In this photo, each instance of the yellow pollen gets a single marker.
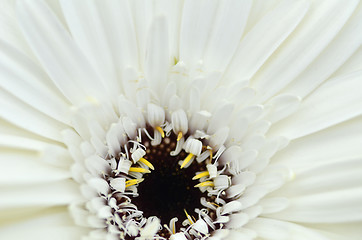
(179, 136)
(161, 131)
(139, 169)
(173, 227)
(147, 163)
(188, 217)
(200, 175)
(187, 160)
(205, 184)
(214, 204)
(133, 182)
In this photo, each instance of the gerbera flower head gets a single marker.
(186, 119)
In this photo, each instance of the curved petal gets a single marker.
(19, 168)
(347, 42)
(56, 193)
(318, 28)
(336, 101)
(337, 143)
(24, 116)
(270, 229)
(54, 225)
(58, 53)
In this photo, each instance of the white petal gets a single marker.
(317, 30)
(100, 185)
(157, 57)
(142, 14)
(53, 224)
(197, 20)
(327, 207)
(282, 106)
(340, 231)
(344, 103)
(237, 220)
(60, 192)
(272, 205)
(262, 40)
(89, 29)
(19, 168)
(344, 45)
(270, 229)
(172, 10)
(24, 116)
(326, 192)
(23, 79)
(17, 142)
(351, 65)
(9, 28)
(231, 18)
(324, 146)
(59, 55)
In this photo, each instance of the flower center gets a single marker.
(159, 179)
(168, 190)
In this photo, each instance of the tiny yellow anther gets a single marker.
(187, 160)
(133, 182)
(200, 175)
(188, 217)
(139, 169)
(179, 136)
(147, 163)
(216, 205)
(173, 227)
(161, 131)
(205, 184)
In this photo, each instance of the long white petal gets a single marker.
(55, 224)
(329, 105)
(197, 20)
(343, 205)
(59, 55)
(55, 193)
(316, 31)
(231, 19)
(157, 57)
(348, 40)
(24, 116)
(337, 143)
(270, 229)
(24, 79)
(264, 38)
(22, 168)
(89, 30)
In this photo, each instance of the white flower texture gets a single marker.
(264, 96)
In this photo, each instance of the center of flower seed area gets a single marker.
(157, 180)
(168, 190)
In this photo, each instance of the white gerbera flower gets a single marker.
(181, 119)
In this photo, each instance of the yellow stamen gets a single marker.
(188, 217)
(211, 155)
(205, 184)
(187, 160)
(161, 131)
(133, 182)
(139, 169)
(174, 227)
(148, 164)
(200, 175)
(214, 204)
(179, 136)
